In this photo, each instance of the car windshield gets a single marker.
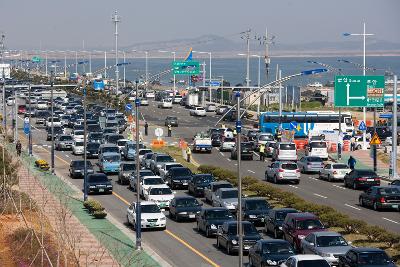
(265, 137)
(98, 178)
(160, 191)
(167, 167)
(142, 152)
(81, 163)
(229, 140)
(121, 142)
(148, 155)
(204, 179)
(144, 173)
(164, 159)
(66, 138)
(57, 130)
(389, 191)
(96, 136)
(229, 194)
(287, 147)
(128, 167)
(112, 158)
(172, 118)
(339, 166)
(281, 215)
(309, 224)
(257, 205)
(289, 166)
(218, 214)
(248, 229)
(114, 138)
(314, 159)
(277, 248)
(373, 258)
(182, 172)
(93, 145)
(366, 173)
(78, 133)
(331, 241)
(187, 202)
(153, 208)
(218, 186)
(318, 145)
(313, 263)
(110, 149)
(246, 146)
(153, 181)
(79, 144)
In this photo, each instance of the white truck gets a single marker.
(202, 142)
(192, 99)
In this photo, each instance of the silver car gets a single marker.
(329, 245)
(280, 171)
(310, 164)
(226, 198)
(63, 142)
(334, 171)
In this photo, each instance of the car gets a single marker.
(147, 181)
(165, 103)
(157, 160)
(160, 194)
(227, 236)
(77, 168)
(63, 142)
(269, 148)
(227, 198)
(285, 151)
(359, 142)
(171, 120)
(381, 197)
(53, 120)
(125, 171)
(77, 147)
(297, 226)
(197, 111)
(395, 182)
(269, 252)
(209, 191)
(109, 162)
(263, 139)
(177, 99)
(184, 207)
(150, 214)
(305, 261)
(178, 177)
(144, 102)
(227, 144)
(334, 171)
(113, 138)
(57, 130)
(209, 219)
(21, 109)
(361, 179)
(310, 164)
(145, 162)
(254, 209)
(274, 220)
(142, 152)
(78, 135)
(282, 171)
(92, 150)
(142, 173)
(165, 167)
(129, 151)
(246, 149)
(95, 137)
(211, 107)
(221, 110)
(216, 139)
(198, 183)
(98, 183)
(317, 149)
(106, 148)
(121, 143)
(362, 256)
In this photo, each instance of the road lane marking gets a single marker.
(318, 195)
(338, 186)
(67, 156)
(390, 220)
(350, 206)
(121, 198)
(313, 178)
(251, 171)
(229, 159)
(294, 186)
(222, 154)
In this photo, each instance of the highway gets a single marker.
(180, 244)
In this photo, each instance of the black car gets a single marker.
(92, 150)
(113, 138)
(252, 134)
(209, 219)
(216, 140)
(95, 137)
(227, 236)
(270, 252)
(380, 197)
(184, 207)
(57, 131)
(361, 179)
(395, 182)
(99, 183)
(171, 120)
(274, 220)
(93, 128)
(254, 209)
(77, 168)
(178, 177)
(198, 183)
(246, 149)
(358, 257)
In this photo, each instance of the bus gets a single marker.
(306, 122)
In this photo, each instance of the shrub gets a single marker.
(93, 205)
(99, 214)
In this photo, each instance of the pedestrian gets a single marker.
(18, 147)
(352, 143)
(351, 162)
(188, 153)
(146, 128)
(262, 152)
(279, 136)
(169, 130)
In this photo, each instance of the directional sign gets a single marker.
(362, 126)
(158, 132)
(293, 125)
(128, 107)
(359, 91)
(375, 140)
(186, 67)
(27, 127)
(36, 59)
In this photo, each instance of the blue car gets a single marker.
(109, 162)
(129, 151)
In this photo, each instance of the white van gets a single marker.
(285, 151)
(317, 149)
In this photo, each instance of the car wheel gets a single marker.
(266, 176)
(250, 262)
(303, 170)
(198, 227)
(275, 180)
(329, 178)
(297, 182)
(127, 219)
(218, 244)
(361, 201)
(355, 186)
(344, 183)
(320, 176)
(375, 206)
(276, 235)
(208, 232)
(358, 147)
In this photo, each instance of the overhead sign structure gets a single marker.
(36, 59)
(362, 126)
(359, 91)
(375, 140)
(186, 67)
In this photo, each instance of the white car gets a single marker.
(77, 147)
(121, 144)
(144, 102)
(78, 135)
(177, 99)
(149, 181)
(198, 111)
(151, 215)
(308, 260)
(42, 105)
(142, 152)
(163, 170)
(211, 108)
(10, 101)
(56, 122)
(227, 144)
(334, 171)
(165, 103)
(150, 94)
(160, 194)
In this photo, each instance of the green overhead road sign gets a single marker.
(36, 59)
(359, 91)
(186, 67)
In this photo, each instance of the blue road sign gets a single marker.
(362, 126)
(27, 127)
(214, 83)
(293, 125)
(128, 107)
(238, 126)
(137, 102)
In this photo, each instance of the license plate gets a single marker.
(152, 224)
(101, 190)
(262, 219)
(370, 180)
(192, 216)
(184, 183)
(395, 206)
(246, 247)
(203, 148)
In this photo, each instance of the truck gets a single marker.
(202, 142)
(192, 99)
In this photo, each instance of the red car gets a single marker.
(21, 109)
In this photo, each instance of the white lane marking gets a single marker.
(256, 154)
(318, 195)
(235, 164)
(313, 178)
(389, 220)
(251, 171)
(222, 154)
(350, 206)
(294, 186)
(229, 159)
(338, 186)
(67, 156)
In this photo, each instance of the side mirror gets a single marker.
(174, 192)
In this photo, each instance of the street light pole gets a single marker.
(85, 189)
(259, 83)
(105, 64)
(116, 19)
(124, 70)
(138, 207)
(147, 75)
(394, 130)
(30, 116)
(52, 121)
(239, 155)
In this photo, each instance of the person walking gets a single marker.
(262, 152)
(18, 147)
(352, 143)
(169, 130)
(351, 162)
(146, 129)
(188, 153)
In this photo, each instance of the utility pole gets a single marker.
(147, 73)
(105, 64)
(30, 118)
(52, 121)
(239, 158)
(138, 207)
(246, 36)
(116, 19)
(85, 189)
(394, 130)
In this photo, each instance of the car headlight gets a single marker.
(92, 186)
(183, 212)
(234, 242)
(213, 226)
(109, 186)
(252, 216)
(301, 236)
(280, 227)
(270, 262)
(162, 219)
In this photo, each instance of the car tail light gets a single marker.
(382, 200)
(361, 179)
(334, 172)
(297, 170)
(280, 170)
(377, 179)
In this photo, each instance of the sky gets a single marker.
(57, 24)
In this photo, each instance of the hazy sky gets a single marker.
(52, 24)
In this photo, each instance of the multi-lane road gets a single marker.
(180, 244)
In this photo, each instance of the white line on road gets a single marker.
(294, 186)
(67, 156)
(338, 186)
(313, 178)
(229, 159)
(350, 206)
(235, 164)
(222, 154)
(251, 171)
(389, 220)
(318, 195)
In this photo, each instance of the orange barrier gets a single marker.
(346, 145)
(333, 147)
(182, 144)
(157, 143)
(300, 143)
